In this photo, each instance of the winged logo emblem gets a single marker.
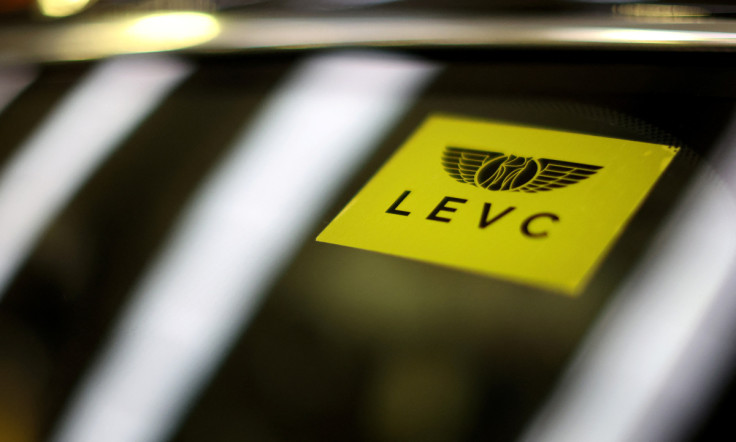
(501, 172)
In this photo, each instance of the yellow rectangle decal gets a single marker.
(536, 206)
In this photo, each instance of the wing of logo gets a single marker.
(498, 171)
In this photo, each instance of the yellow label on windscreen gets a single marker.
(535, 206)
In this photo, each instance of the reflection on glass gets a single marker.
(234, 239)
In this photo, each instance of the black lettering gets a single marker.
(394, 207)
(442, 207)
(485, 222)
(525, 225)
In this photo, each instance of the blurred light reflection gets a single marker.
(81, 132)
(650, 35)
(233, 240)
(169, 31)
(638, 376)
(654, 10)
(62, 8)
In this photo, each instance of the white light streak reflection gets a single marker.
(235, 237)
(76, 137)
(627, 381)
(12, 82)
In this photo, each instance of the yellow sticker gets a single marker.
(536, 206)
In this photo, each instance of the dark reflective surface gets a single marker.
(346, 344)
